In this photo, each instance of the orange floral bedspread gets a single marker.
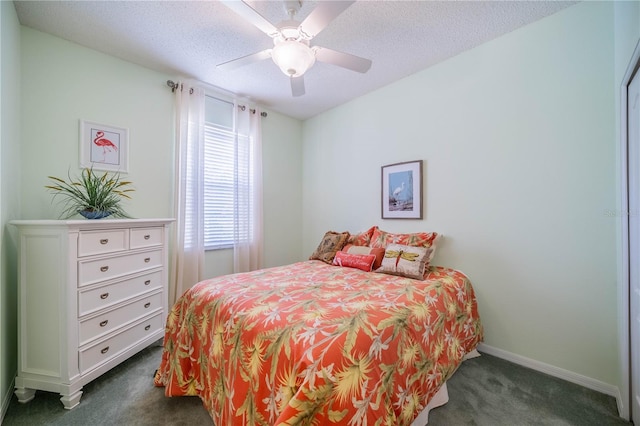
(316, 344)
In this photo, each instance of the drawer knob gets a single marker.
(147, 282)
(104, 268)
(103, 323)
(104, 241)
(147, 328)
(105, 350)
(104, 296)
(147, 259)
(146, 305)
(146, 237)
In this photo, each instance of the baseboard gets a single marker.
(6, 400)
(622, 409)
(551, 370)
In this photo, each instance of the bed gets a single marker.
(316, 343)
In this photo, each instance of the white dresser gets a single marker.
(91, 294)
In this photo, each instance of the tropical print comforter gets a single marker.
(316, 344)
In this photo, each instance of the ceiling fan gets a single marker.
(291, 51)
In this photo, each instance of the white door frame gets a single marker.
(624, 402)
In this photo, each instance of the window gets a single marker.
(227, 176)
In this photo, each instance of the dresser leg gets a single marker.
(24, 394)
(70, 401)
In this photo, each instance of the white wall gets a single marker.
(9, 193)
(518, 140)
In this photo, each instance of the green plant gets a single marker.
(91, 193)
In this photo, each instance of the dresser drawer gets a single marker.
(104, 323)
(93, 271)
(102, 241)
(146, 237)
(100, 353)
(94, 299)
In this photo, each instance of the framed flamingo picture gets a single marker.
(104, 147)
(402, 190)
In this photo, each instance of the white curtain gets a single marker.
(188, 237)
(247, 245)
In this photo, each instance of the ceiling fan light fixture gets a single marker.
(293, 57)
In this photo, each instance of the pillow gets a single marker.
(362, 238)
(428, 240)
(363, 262)
(330, 244)
(405, 261)
(377, 252)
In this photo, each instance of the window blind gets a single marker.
(218, 187)
(227, 186)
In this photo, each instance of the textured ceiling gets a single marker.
(189, 38)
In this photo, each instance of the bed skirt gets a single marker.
(440, 398)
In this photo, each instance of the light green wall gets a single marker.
(282, 192)
(9, 193)
(518, 142)
(62, 83)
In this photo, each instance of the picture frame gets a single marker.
(104, 147)
(401, 191)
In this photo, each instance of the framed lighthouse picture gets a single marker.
(402, 190)
(104, 147)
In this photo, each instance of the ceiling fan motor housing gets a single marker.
(293, 57)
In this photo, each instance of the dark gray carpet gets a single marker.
(484, 391)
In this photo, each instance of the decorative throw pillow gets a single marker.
(428, 240)
(330, 244)
(377, 252)
(362, 238)
(363, 262)
(405, 261)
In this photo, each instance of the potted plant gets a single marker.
(93, 196)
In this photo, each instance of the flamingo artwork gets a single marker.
(106, 144)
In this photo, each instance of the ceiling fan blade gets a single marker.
(253, 16)
(322, 15)
(297, 86)
(245, 60)
(341, 59)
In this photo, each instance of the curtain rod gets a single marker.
(174, 87)
(252, 110)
